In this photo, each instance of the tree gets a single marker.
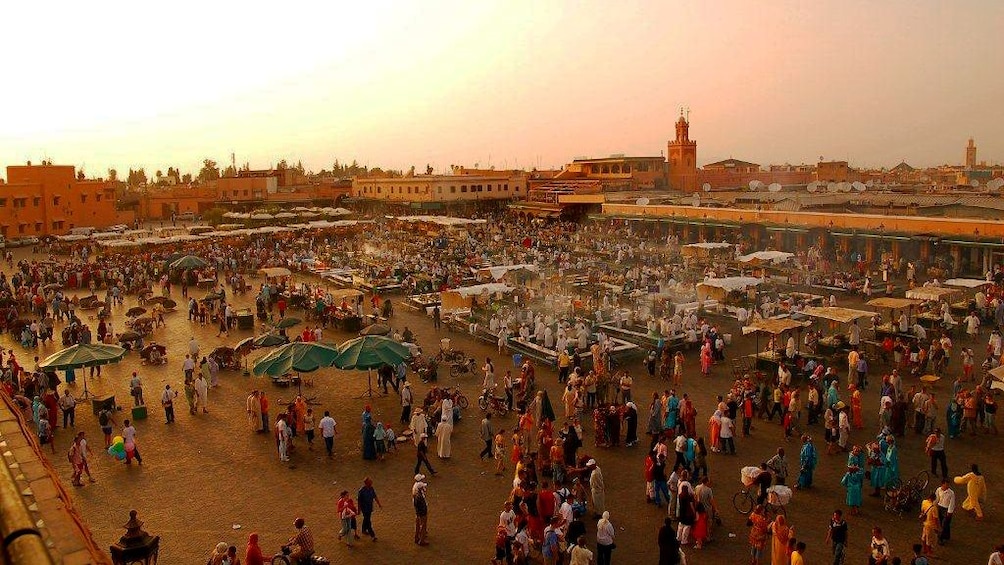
(210, 171)
(80, 174)
(428, 169)
(137, 177)
(186, 178)
(230, 171)
(213, 216)
(282, 166)
(113, 175)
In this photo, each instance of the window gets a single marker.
(463, 188)
(616, 169)
(453, 190)
(409, 190)
(439, 190)
(379, 190)
(3, 202)
(606, 169)
(245, 192)
(36, 201)
(626, 169)
(643, 167)
(55, 201)
(20, 228)
(506, 187)
(38, 226)
(517, 188)
(83, 199)
(489, 188)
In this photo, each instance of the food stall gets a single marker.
(836, 341)
(893, 305)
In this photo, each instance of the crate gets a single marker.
(139, 413)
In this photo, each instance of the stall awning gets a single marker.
(893, 303)
(275, 272)
(967, 283)
(773, 326)
(931, 293)
(837, 314)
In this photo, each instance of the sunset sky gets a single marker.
(508, 84)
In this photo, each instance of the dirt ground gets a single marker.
(207, 478)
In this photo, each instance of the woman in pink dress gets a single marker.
(714, 428)
(706, 358)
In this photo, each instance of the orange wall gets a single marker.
(48, 199)
(870, 222)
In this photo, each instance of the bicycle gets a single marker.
(745, 501)
(901, 497)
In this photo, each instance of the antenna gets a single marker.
(688, 114)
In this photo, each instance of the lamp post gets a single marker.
(136, 546)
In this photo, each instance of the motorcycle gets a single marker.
(489, 402)
(283, 558)
(463, 367)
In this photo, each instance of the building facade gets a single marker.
(439, 191)
(39, 200)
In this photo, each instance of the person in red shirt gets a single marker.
(281, 304)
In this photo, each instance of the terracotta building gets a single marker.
(47, 199)
(618, 172)
(432, 192)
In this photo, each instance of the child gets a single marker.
(787, 426)
(380, 438)
(391, 438)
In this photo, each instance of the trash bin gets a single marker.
(139, 412)
(517, 360)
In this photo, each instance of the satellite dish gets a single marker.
(812, 186)
(774, 187)
(697, 196)
(642, 202)
(754, 185)
(707, 187)
(696, 201)
(845, 187)
(831, 187)
(859, 186)
(974, 183)
(870, 183)
(996, 183)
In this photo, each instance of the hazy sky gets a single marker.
(513, 83)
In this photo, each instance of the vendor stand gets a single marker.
(891, 328)
(773, 356)
(836, 342)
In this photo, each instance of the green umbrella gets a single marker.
(189, 262)
(288, 322)
(300, 357)
(269, 340)
(83, 355)
(370, 352)
(376, 329)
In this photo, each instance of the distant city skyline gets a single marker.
(503, 84)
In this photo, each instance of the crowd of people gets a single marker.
(557, 485)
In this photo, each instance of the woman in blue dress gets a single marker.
(852, 481)
(832, 397)
(807, 460)
(891, 461)
(954, 418)
(672, 411)
(876, 460)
